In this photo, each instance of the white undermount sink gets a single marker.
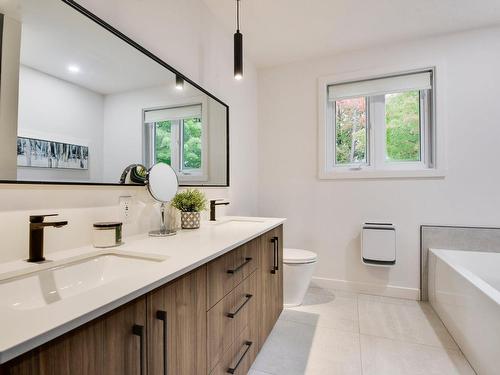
(228, 221)
(50, 282)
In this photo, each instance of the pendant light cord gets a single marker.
(238, 15)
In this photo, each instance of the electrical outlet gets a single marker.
(126, 208)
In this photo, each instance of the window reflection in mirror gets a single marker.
(176, 136)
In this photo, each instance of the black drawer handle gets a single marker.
(162, 315)
(247, 260)
(138, 330)
(233, 314)
(232, 370)
(275, 242)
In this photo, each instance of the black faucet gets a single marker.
(36, 235)
(214, 203)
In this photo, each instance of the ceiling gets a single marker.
(55, 37)
(281, 31)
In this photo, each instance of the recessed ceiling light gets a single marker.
(74, 69)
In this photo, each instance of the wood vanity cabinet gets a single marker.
(177, 326)
(123, 341)
(103, 346)
(167, 326)
(239, 335)
(230, 269)
(211, 321)
(271, 279)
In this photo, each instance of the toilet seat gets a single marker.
(298, 256)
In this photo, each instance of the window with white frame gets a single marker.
(175, 136)
(380, 124)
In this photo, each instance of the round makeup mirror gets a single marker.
(162, 184)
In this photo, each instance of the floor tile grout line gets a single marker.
(376, 298)
(382, 299)
(265, 372)
(332, 292)
(413, 343)
(359, 329)
(340, 319)
(324, 327)
(315, 325)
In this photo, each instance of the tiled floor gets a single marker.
(342, 333)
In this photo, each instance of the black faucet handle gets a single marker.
(39, 218)
(214, 202)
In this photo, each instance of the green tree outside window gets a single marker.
(192, 143)
(163, 137)
(402, 119)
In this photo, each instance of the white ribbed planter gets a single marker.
(190, 220)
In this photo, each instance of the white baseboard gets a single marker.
(367, 288)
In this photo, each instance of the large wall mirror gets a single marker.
(79, 102)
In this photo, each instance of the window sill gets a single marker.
(382, 174)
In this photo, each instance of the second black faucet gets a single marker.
(214, 203)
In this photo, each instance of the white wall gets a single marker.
(11, 42)
(53, 109)
(193, 42)
(325, 216)
(217, 146)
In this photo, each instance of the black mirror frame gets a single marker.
(138, 47)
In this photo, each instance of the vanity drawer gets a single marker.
(239, 357)
(246, 304)
(230, 317)
(227, 271)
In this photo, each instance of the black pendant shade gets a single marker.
(238, 55)
(179, 82)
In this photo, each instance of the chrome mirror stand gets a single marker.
(163, 231)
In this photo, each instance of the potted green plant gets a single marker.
(190, 202)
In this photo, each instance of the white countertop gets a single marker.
(23, 330)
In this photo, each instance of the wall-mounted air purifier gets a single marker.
(378, 244)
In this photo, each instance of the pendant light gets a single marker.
(179, 82)
(238, 46)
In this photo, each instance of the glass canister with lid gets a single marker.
(107, 234)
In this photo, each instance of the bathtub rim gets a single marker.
(457, 236)
(477, 281)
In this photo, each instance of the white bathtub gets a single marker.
(464, 290)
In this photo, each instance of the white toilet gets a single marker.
(298, 268)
